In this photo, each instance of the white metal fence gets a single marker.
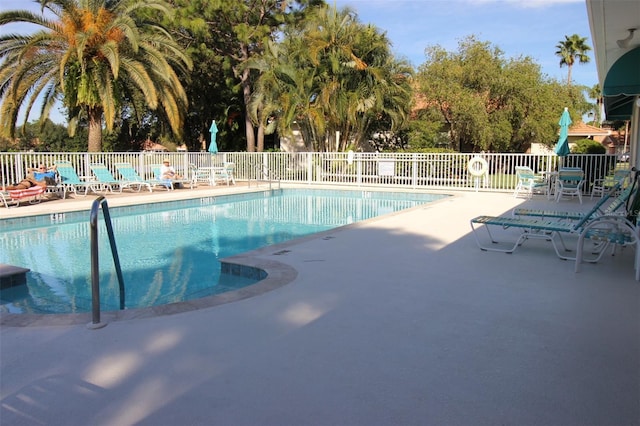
(402, 170)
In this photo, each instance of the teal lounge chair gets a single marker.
(605, 231)
(541, 228)
(104, 179)
(131, 177)
(611, 209)
(69, 178)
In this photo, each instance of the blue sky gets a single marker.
(518, 27)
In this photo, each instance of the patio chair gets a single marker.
(601, 186)
(230, 170)
(540, 228)
(569, 183)
(223, 174)
(199, 174)
(530, 183)
(104, 178)
(215, 174)
(69, 178)
(131, 177)
(15, 196)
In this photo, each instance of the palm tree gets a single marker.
(596, 93)
(332, 76)
(570, 49)
(93, 55)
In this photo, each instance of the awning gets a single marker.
(621, 85)
(618, 107)
(624, 76)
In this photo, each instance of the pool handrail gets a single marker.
(101, 201)
(266, 173)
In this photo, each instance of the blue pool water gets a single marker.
(170, 251)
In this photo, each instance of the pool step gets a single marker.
(11, 276)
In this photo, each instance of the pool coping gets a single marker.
(278, 274)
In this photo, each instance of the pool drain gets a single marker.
(278, 253)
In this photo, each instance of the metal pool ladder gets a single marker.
(266, 173)
(95, 268)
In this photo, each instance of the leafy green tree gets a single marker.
(571, 49)
(224, 35)
(47, 137)
(588, 146)
(94, 54)
(424, 131)
(51, 137)
(486, 102)
(212, 88)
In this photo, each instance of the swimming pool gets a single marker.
(170, 251)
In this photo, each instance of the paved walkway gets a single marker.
(400, 320)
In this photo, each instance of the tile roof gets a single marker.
(582, 129)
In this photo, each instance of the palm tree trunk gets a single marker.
(95, 129)
(260, 142)
(246, 94)
(251, 137)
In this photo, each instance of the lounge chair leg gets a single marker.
(482, 247)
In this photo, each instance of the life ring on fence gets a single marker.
(477, 166)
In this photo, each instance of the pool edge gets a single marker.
(278, 274)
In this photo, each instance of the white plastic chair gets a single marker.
(230, 169)
(529, 182)
(569, 183)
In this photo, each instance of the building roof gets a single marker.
(149, 145)
(582, 129)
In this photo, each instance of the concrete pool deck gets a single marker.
(399, 320)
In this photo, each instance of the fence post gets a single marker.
(414, 170)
